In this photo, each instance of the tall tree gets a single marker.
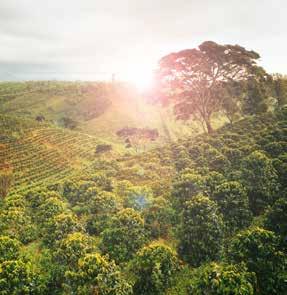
(195, 80)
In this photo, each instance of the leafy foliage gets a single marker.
(17, 277)
(124, 236)
(97, 275)
(276, 219)
(197, 79)
(9, 249)
(154, 267)
(259, 249)
(232, 200)
(159, 217)
(186, 185)
(59, 227)
(216, 279)
(201, 231)
(260, 179)
(71, 214)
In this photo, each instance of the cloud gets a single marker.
(107, 36)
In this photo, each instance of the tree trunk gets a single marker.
(208, 126)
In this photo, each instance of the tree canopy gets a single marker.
(196, 80)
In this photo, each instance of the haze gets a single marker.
(91, 40)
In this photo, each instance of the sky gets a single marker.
(92, 39)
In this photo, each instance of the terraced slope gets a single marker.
(39, 153)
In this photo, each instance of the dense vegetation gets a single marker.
(205, 214)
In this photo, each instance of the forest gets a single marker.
(104, 191)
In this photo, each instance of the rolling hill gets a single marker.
(99, 108)
(39, 152)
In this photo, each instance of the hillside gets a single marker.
(39, 153)
(99, 108)
(164, 218)
(143, 148)
(69, 208)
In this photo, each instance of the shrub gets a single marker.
(59, 227)
(124, 236)
(103, 148)
(217, 279)
(276, 219)
(9, 248)
(232, 200)
(260, 179)
(17, 277)
(102, 207)
(259, 249)
(72, 248)
(159, 217)
(186, 185)
(96, 275)
(201, 231)
(154, 268)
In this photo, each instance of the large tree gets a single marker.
(196, 80)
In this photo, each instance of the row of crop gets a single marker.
(44, 181)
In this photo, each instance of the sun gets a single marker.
(141, 77)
